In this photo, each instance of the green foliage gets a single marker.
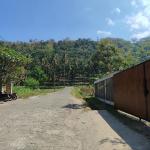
(32, 83)
(38, 73)
(69, 59)
(12, 56)
(83, 91)
(11, 63)
(24, 92)
(107, 58)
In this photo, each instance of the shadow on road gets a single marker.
(4, 101)
(129, 136)
(131, 130)
(115, 141)
(75, 106)
(127, 120)
(128, 128)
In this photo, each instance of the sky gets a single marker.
(22, 20)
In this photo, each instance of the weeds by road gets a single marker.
(25, 92)
(83, 91)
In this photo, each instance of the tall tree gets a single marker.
(11, 64)
(107, 58)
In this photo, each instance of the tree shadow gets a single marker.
(126, 132)
(115, 141)
(75, 106)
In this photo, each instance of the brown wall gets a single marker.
(128, 91)
(147, 68)
(109, 91)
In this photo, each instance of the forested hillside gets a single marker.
(50, 62)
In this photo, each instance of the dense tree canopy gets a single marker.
(11, 64)
(68, 60)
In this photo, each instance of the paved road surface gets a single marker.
(57, 122)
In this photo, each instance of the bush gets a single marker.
(83, 91)
(32, 83)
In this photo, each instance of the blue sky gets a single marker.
(59, 19)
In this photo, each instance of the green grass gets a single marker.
(25, 92)
(83, 91)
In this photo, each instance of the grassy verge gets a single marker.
(95, 104)
(87, 94)
(83, 91)
(25, 92)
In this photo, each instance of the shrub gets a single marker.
(32, 83)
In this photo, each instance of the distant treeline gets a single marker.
(47, 62)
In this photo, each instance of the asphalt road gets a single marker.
(58, 121)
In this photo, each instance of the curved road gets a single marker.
(58, 121)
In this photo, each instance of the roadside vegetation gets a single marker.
(83, 91)
(86, 93)
(67, 62)
(25, 92)
(32, 87)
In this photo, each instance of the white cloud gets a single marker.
(141, 35)
(139, 22)
(134, 3)
(144, 2)
(117, 10)
(104, 33)
(140, 2)
(110, 22)
(147, 10)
